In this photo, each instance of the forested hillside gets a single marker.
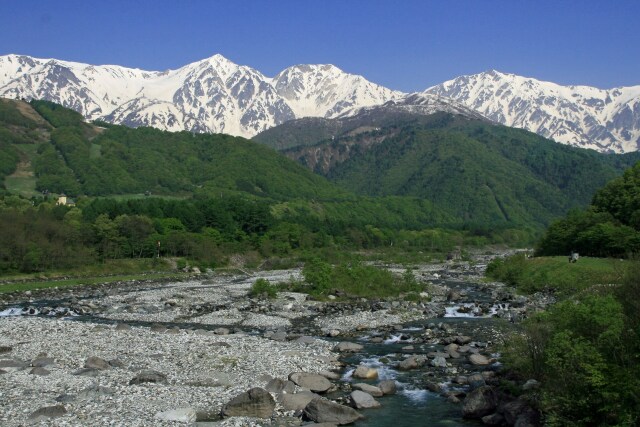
(472, 170)
(78, 158)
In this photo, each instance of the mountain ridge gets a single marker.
(215, 95)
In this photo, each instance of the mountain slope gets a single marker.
(468, 168)
(587, 117)
(78, 158)
(213, 95)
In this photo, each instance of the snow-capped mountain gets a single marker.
(212, 95)
(216, 95)
(583, 116)
(416, 103)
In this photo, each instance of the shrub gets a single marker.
(263, 288)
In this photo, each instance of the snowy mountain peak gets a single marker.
(604, 120)
(211, 95)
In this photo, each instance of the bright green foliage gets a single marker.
(609, 227)
(56, 114)
(318, 274)
(263, 288)
(556, 274)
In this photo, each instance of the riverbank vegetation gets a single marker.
(585, 349)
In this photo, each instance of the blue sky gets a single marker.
(405, 45)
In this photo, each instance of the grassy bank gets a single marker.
(111, 271)
(556, 274)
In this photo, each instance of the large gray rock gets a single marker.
(439, 362)
(368, 388)
(95, 362)
(475, 381)
(39, 371)
(46, 413)
(314, 382)
(5, 349)
(413, 362)
(348, 347)
(362, 400)
(149, 376)
(297, 401)
(277, 386)
(479, 360)
(388, 386)
(365, 373)
(41, 362)
(479, 402)
(325, 411)
(256, 402)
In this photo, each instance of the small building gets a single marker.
(65, 201)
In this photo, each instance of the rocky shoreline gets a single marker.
(149, 353)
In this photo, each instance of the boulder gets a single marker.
(362, 400)
(475, 381)
(439, 362)
(513, 410)
(479, 402)
(221, 331)
(46, 413)
(365, 373)
(348, 347)
(479, 360)
(99, 363)
(368, 388)
(388, 386)
(149, 376)
(314, 382)
(531, 385)
(256, 402)
(41, 362)
(278, 386)
(5, 349)
(330, 375)
(39, 371)
(326, 411)
(413, 362)
(181, 415)
(123, 327)
(297, 401)
(493, 420)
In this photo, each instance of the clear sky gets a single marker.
(404, 44)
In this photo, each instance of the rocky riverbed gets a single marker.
(183, 353)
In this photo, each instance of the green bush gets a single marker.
(263, 288)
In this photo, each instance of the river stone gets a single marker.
(388, 386)
(362, 400)
(531, 385)
(41, 362)
(348, 347)
(413, 362)
(15, 364)
(158, 328)
(297, 401)
(257, 402)
(277, 386)
(493, 420)
(479, 360)
(368, 388)
(86, 372)
(95, 391)
(365, 373)
(314, 382)
(475, 381)
(479, 402)
(2, 371)
(39, 371)
(439, 362)
(148, 376)
(326, 411)
(5, 349)
(330, 375)
(95, 362)
(123, 327)
(462, 339)
(513, 410)
(46, 412)
(182, 415)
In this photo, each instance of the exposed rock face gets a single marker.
(480, 402)
(326, 411)
(256, 402)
